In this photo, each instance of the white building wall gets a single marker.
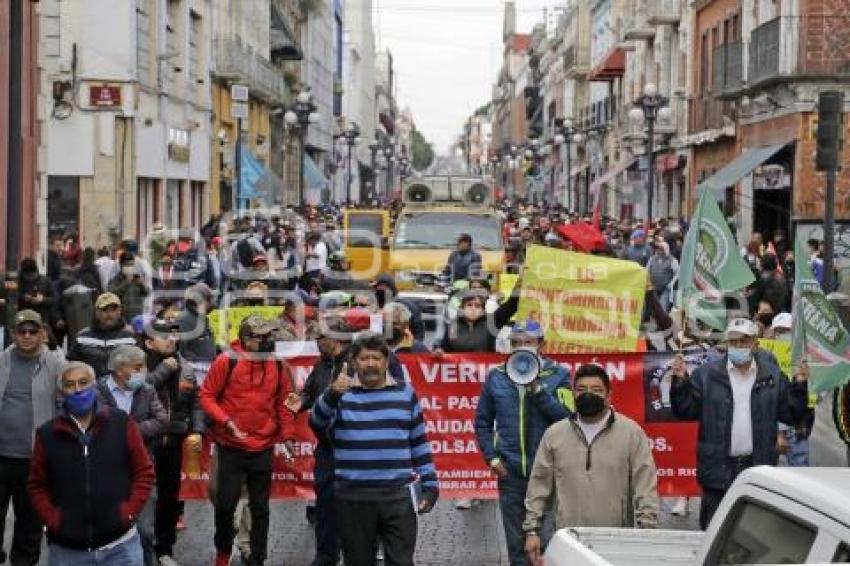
(319, 73)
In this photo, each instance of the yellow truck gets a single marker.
(437, 211)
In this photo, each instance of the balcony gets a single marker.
(728, 70)
(636, 27)
(575, 61)
(238, 62)
(707, 113)
(807, 48)
(664, 13)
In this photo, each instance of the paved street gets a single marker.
(446, 536)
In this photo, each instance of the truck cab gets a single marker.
(436, 212)
(770, 515)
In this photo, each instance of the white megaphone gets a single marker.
(523, 366)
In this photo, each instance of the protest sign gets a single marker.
(449, 390)
(585, 303)
(224, 323)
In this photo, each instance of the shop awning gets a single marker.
(313, 177)
(610, 175)
(739, 167)
(612, 66)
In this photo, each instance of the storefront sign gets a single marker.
(103, 96)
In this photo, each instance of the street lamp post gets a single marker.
(566, 136)
(374, 147)
(650, 107)
(352, 138)
(388, 150)
(301, 115)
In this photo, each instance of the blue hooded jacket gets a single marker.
(509, 426)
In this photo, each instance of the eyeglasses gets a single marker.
(28, 331)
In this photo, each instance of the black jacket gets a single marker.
(146, 409)
(480, 336)
(94, 345)
(178, 391)
(324, 372)
(196, 338)
(707, 397)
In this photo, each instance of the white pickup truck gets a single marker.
(769, 516)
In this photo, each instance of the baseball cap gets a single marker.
(782, 320)
(638, 234)
(28, 316)
(257, 325)
(530, 327)
(106, 300)
(160, 326)
(739, 327)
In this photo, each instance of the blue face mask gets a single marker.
(80, 403)
(136, 381)
(740, 356)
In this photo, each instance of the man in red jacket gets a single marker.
(245, 394)
(90, 477)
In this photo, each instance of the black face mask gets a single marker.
(266, 346)
(396, 336)
(589, 404)
(765, 318)
(382, 295)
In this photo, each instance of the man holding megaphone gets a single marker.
(519, 401)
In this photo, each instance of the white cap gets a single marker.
(739, 327)
(523, 222)
(782, 320)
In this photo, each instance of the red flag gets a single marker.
(585, 237)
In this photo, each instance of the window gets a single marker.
(439, 230)
(361, 226)
(757, 534)
(703, 65)
(63, 204)
(842, 555)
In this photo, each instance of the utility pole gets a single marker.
(828, 159)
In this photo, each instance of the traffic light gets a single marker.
(830, 130)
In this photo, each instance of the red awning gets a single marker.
(612, 66)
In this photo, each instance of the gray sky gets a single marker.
(447, 55)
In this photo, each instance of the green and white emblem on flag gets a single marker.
(819, 336)
(711, 265)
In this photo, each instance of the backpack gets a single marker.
(245, 252)
(231, 365)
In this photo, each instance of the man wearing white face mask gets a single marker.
(738, 401)
(126, 389)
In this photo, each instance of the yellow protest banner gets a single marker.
(507, 282)
(585, 303)
(225, 322)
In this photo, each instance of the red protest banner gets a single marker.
(448, 390)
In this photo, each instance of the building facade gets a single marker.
(128, 138)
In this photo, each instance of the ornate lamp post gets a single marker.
(352, 139)
(650, 107)
(300, 116)
(566, 136)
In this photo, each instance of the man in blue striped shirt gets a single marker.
(384, 474)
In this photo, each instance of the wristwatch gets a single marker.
(531, 534)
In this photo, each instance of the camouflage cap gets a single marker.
(28, 316)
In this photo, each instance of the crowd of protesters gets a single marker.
(123, 331)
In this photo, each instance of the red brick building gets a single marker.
(757, 75)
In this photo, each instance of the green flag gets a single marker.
(819, 336)
(711, 265)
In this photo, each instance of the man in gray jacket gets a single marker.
(28, 377)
